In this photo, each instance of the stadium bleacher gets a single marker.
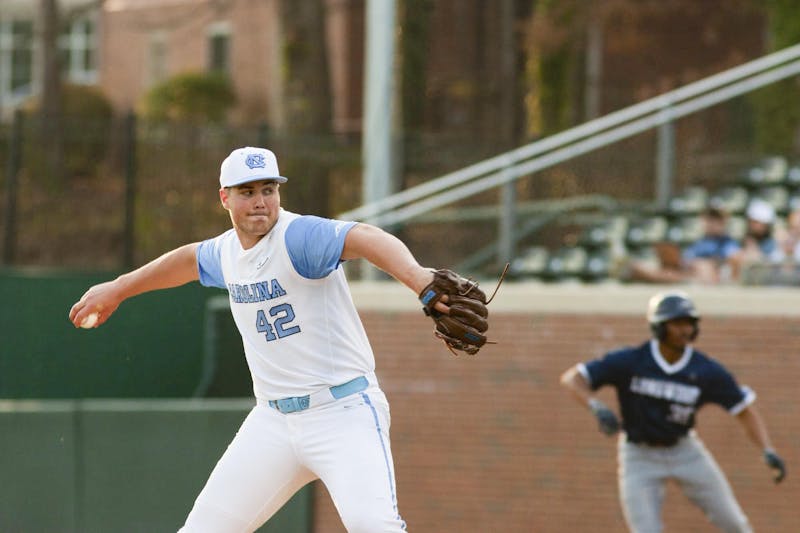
(601, 248)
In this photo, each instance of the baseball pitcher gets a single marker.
(320, 412)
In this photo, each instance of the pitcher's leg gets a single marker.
(350, 453)
(641, 488)
(704, 483)
(255, 476)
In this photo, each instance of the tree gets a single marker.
(52, 137)
(777, 107)
(51, 111)
(193, 97)
(307, 104)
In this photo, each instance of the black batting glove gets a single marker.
(606, 419)
(774, 461)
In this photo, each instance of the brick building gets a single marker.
(21, 51)
(127, 46)
(147, 41)
(468, 83)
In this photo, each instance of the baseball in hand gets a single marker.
(90, 321)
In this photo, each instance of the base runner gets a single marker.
(660, 386)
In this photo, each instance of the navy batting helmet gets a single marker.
(669, 306)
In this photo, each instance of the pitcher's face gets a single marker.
(254, 209)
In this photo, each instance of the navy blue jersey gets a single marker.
(658, 400)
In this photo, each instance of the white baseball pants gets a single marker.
(344, 443)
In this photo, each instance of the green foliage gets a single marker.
(415, 45)
(86, 118)
(554, 56)
(85, 108)
(777, 117)
(86, 102)
(777, 108)
(190, 97)
(784, 22)
(557, 86)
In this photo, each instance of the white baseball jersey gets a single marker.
(292, 306)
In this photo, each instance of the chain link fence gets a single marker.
(119, 194)
(123, 192)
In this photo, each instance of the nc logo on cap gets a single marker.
(255, 161)
(249, 164)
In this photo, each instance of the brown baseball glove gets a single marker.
(464, 326)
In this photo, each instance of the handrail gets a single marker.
(592, 143)
(663, 107)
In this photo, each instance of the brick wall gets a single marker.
(493, 443)
(127, 70)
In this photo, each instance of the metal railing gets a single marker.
(506, 168)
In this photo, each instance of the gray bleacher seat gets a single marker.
(645, 256)
(732, 199)
(598, 265)
(618, 226)
(610, 232)
(769, 171)
(531, 263)
(690, 201)
(685, 230)
(794, 201)
(595, 236)
(566, 262)
(793, 176)
(737, 226)
(777, 196)
(646, 231)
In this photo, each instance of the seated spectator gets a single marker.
(704, 261)
(759, 245)
(788, 271)
(789, 240)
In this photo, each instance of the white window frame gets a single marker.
(157, 58)
(76, 43)
(218, 29)
(9, 97)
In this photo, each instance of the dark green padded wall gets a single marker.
(151, 347)
(118, 465)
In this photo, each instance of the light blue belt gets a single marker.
(301, 403)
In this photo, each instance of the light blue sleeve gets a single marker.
(209, 263)
(315, 245)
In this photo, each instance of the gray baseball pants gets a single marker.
(644, 470)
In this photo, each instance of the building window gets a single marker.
(219, 39)
(78, 48)
(157, 58)
(16, 59)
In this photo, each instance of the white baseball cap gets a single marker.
(761, 211)
(249, 164)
